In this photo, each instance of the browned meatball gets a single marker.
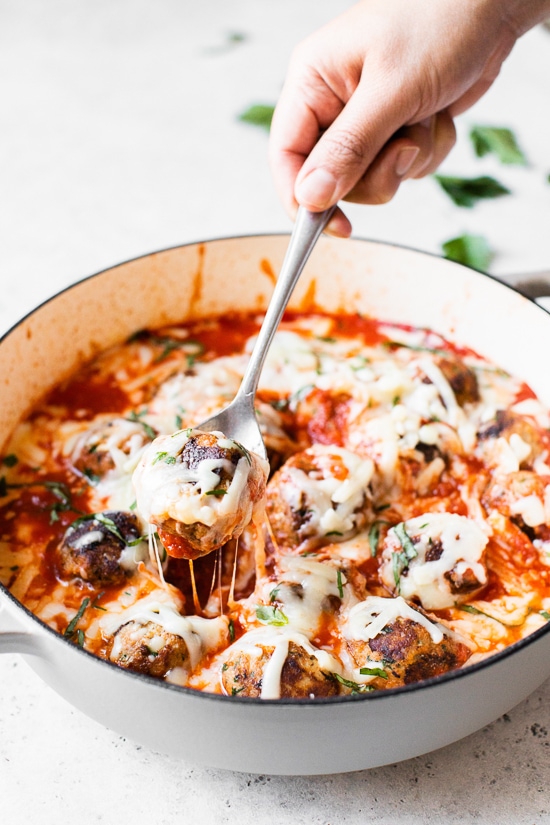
(301, 675)
(95, 451)
(91, 548)
(506, 424)
(148, 648)
(462, 379)
(320, 495)
(407, 652)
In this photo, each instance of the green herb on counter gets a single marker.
(468, 191)
(497, 141)
(259, 114)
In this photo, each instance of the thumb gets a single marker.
(346, 149)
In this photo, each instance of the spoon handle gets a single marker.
(307, 228)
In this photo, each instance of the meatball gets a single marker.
(462, 379)
(148, 648)
(272, 671)
(320, 494)
(437, 558)
(520, 496)
(522, 441)
(199, 489)
(397, 644)
(93, 548)
(110, 445)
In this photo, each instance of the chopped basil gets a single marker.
(374, 535)
(80, 638)
(71, 627)
(355, 686)
(333, 533)
(235, 691)
(545, 615)
(274, 593)
(498, 141)
(10, 460)
(95, 604)
(133, 505)
(470, 250)
(160, 456)
(259, 114)
(108, 523)
(218, 493)
(270, 614)
(136, 418)
(231, 630)
(469, 608)
(373, 671)
(340, 584)
(400, 561)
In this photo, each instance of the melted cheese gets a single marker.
(462, 546)
(368, 618)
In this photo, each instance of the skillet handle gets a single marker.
(13, 639)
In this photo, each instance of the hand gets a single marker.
(369, 99)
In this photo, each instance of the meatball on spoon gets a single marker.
(200, 491)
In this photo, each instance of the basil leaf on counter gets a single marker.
(497, 141)
(471, 250)
(468, 191)
(259, 114)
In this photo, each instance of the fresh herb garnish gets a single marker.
(334, 533)
(109, 525)
(470, 250)
(355, 686)
(136, 418)
(340, 583)
(92, 477)
(259, 114)
(71, 627)
(545, 615)
(235, 691)
(374, 535)
(274, 593)
(160, 456)
(498, 141)
(231, 630)
(400, 561)
(218, 492)
(270, 614)
(10, 460)
(373, 671)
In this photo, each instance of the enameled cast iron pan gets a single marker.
(287, 736)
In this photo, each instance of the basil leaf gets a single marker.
(259, 114)
(470, 250)
(136, 418)
(71, 627)
(269, 614)
(10, 460)
(340, 583)
(355, 686)
(498, 141)
(374, 535)
(373, 671)
(468, 191)
(218, 493)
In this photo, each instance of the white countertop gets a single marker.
(119, 136)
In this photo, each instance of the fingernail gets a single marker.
(316, 189)
(405, 160)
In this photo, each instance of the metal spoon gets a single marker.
(238, 420)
